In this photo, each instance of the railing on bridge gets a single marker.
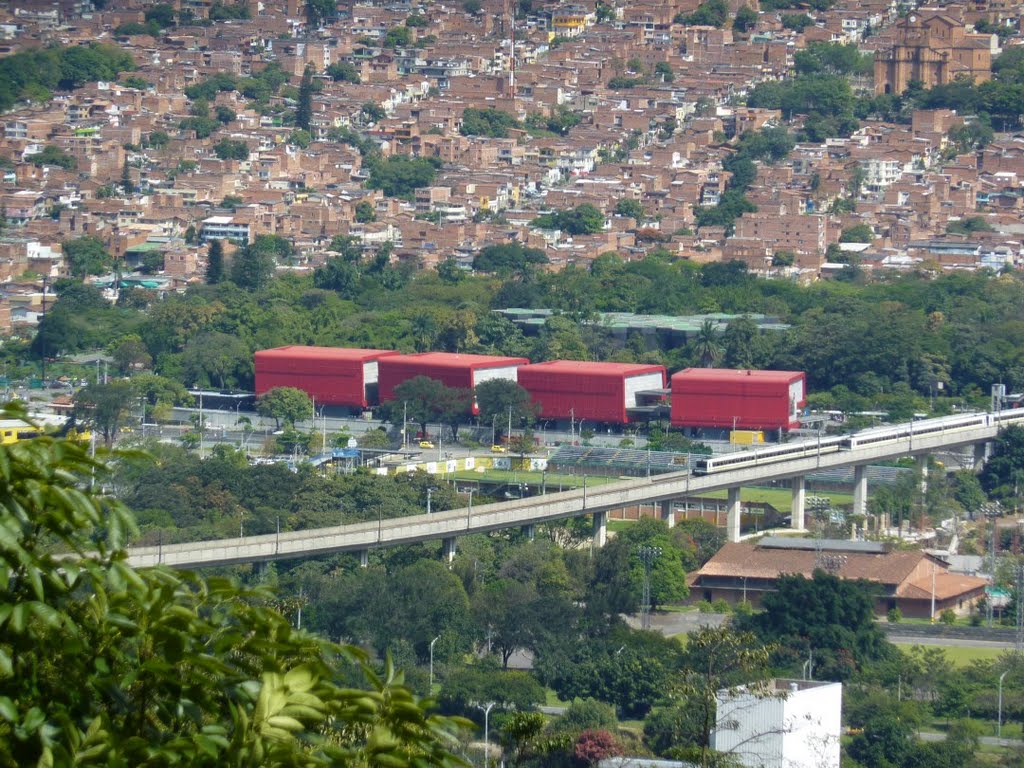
(794, 460)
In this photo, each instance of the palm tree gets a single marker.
(708, 346)
(424, 331)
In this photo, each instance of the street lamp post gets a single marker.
(647, 556)
(432, 662)
(486, 709)
(999, 726)
(430, 492)
(469, 509)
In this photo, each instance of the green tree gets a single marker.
(798, 22)
(319, 11)
(86, 256)
(508, 690)
(304, 105)
(832, 59)
(343, 72)
(712, 13)
(130, 354)
(365, 212)
(507, 613)
(663, 70)
(859, 233)
(627, 206)
(833, 616)
(507, 258)
(373, 112)
(1003, 473)
(162, 14)
(216, 359)
(215, 263)
(51, 155)
(708, 347)
(253, 266)
(488, 122)
(105, 407)
(398, 37)
(400, 176)
(500, 400)
(586, 714)
(126, 179)
(285, 404)
(230, 149)
(716, 659)
(745, 19)
(118, 666)
(225, 114)
(421, 399)
(584, 219)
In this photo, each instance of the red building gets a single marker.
(330, 375)
(452, 370)
(601, 392)
(734, 399)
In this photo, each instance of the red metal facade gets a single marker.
(567, 389)
(452, 370)
(727, 399)
(331, 375)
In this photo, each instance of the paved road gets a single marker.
(949, 642)
(672, 623)
(989, 741)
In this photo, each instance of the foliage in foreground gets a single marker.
(105, 664)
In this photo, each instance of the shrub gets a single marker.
(948, 617)
(895, 615)
(721, 606)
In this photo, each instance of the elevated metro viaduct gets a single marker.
(792, 461)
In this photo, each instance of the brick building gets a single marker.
(935, 50)
(906, 579)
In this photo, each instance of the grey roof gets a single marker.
(832, 545)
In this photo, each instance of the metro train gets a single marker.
(869, 437)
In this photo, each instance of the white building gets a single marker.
(225, 228)
(789, 724)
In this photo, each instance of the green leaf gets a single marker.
(7, 710)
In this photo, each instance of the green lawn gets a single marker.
(962, 656)
(554, 481)
(781, 498)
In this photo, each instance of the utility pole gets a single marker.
(42, 337)
(1020, 608)
(201, 430)
(647, 556)
(405, 433)
(431, 690)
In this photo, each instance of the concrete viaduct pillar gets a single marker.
(732, 524)
(600, 529)
(860, 489)
(529, 531)
(668, 513)
(922, 469)
(981, 453)
(799, 499)
(448, 548)
(364, 558)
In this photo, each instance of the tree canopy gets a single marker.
(109, 665)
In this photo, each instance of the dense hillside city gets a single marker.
(462, 382)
